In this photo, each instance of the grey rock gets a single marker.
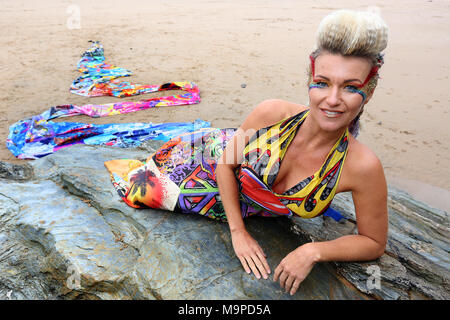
(416, 260)
(65, 234)
(13, 171)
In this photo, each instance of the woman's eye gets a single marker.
(318, 84)
(352, 88)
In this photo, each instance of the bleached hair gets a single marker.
(348, 32)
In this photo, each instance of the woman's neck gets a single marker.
(315, 137)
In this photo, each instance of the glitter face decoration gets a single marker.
(365, 89)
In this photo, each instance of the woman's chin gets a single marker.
(332, 125)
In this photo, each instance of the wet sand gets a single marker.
(221, 45)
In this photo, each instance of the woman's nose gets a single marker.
(333, 97)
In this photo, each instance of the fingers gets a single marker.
(251, 263)
(252, 258)
(289, 282)
(292, 284)
(262, 257)
(262, 252)
(255, 263)
(295, 286)
(244, 264)
(259, 262)
(280, 275)
(283, 278)
(278, 271)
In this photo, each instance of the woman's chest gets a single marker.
(296, 166)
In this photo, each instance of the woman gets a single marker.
(285, 159)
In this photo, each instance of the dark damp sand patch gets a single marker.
(431, 195)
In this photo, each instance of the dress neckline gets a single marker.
(303, 183)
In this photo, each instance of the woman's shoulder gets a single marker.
(361, 165)
(361, 155)
(271, 111)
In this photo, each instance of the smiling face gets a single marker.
(338, 89)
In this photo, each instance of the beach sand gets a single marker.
(221, 45)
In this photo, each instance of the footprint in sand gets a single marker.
(390, 147)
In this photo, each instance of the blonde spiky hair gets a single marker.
(359, 33)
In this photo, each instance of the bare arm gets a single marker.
(369, 190)
(248, 251)
(246, 248)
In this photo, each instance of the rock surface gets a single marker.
(65, 234)
(416, 260)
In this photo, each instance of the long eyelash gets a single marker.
(317, 84)
(350, 88)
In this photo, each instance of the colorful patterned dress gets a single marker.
(180, 176)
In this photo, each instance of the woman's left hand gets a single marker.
(295, 267)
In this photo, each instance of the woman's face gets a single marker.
(335, 92)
